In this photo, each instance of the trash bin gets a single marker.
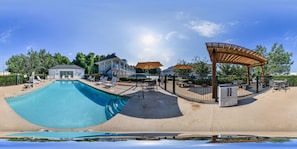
(227, 95)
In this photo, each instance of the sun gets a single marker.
(148, 39)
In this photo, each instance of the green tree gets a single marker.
(182, 72)
(256, 71)
(232, 70)
(35, 61)
(225, 69)
(81, 60)
(90, 60)
(97, 59)
(201, 68)
(18, 64)
(46, 61)
(239, 70)
(278, 60)
(61, 60)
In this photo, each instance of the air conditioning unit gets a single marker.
(227, 95)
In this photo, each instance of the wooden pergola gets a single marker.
(233, 54)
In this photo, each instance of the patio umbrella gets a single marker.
(148, 65)
(183, 66)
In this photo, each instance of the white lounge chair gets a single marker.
(112, 82)
(32, 80)
(102, 81)
(39, 79)
(92, 79)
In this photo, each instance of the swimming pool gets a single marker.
(67, 104)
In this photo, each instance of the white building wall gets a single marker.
(77, 73)
(118, 67)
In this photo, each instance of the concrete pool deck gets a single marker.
(272, 113)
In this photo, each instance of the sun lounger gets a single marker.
(39, 79)
(32, 80)
(92, 79)
(102, 81)
(112, 82)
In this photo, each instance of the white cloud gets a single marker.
(228, 41)
(175, 34)
(206, 28)
(5, 36)
(170, 35)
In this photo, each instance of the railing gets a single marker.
(200, 89)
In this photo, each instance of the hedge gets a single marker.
(292, 80)
(11, 80)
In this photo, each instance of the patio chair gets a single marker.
(285, 85)
(275, 85)
(102, 80)
(112, 82)
(271, 83)
(28, 85)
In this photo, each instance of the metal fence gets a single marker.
(200, 89)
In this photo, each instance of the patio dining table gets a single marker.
(279, 83)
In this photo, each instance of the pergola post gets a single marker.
(263, 79)
(248, 75)
(214, 74)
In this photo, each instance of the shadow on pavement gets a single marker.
(151, 105)
(246, 101)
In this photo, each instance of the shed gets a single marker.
(66, 71)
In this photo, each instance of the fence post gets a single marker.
(165, 82)
(173, 82)
(17, 79)
(159, 80)
(216, 89)
(257, 84)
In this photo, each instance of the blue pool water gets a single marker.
(67, 104)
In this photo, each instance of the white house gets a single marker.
(168, 71)
(113, 65)
(66, 71)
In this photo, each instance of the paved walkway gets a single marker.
(272, 113)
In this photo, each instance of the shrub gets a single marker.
(292, 80)
(11, 80)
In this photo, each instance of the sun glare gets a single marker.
(148, 39)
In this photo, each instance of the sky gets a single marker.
(136, 144)
(144, 30)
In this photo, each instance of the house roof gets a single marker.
(109, 57)
(66, 67)
(233, 54)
